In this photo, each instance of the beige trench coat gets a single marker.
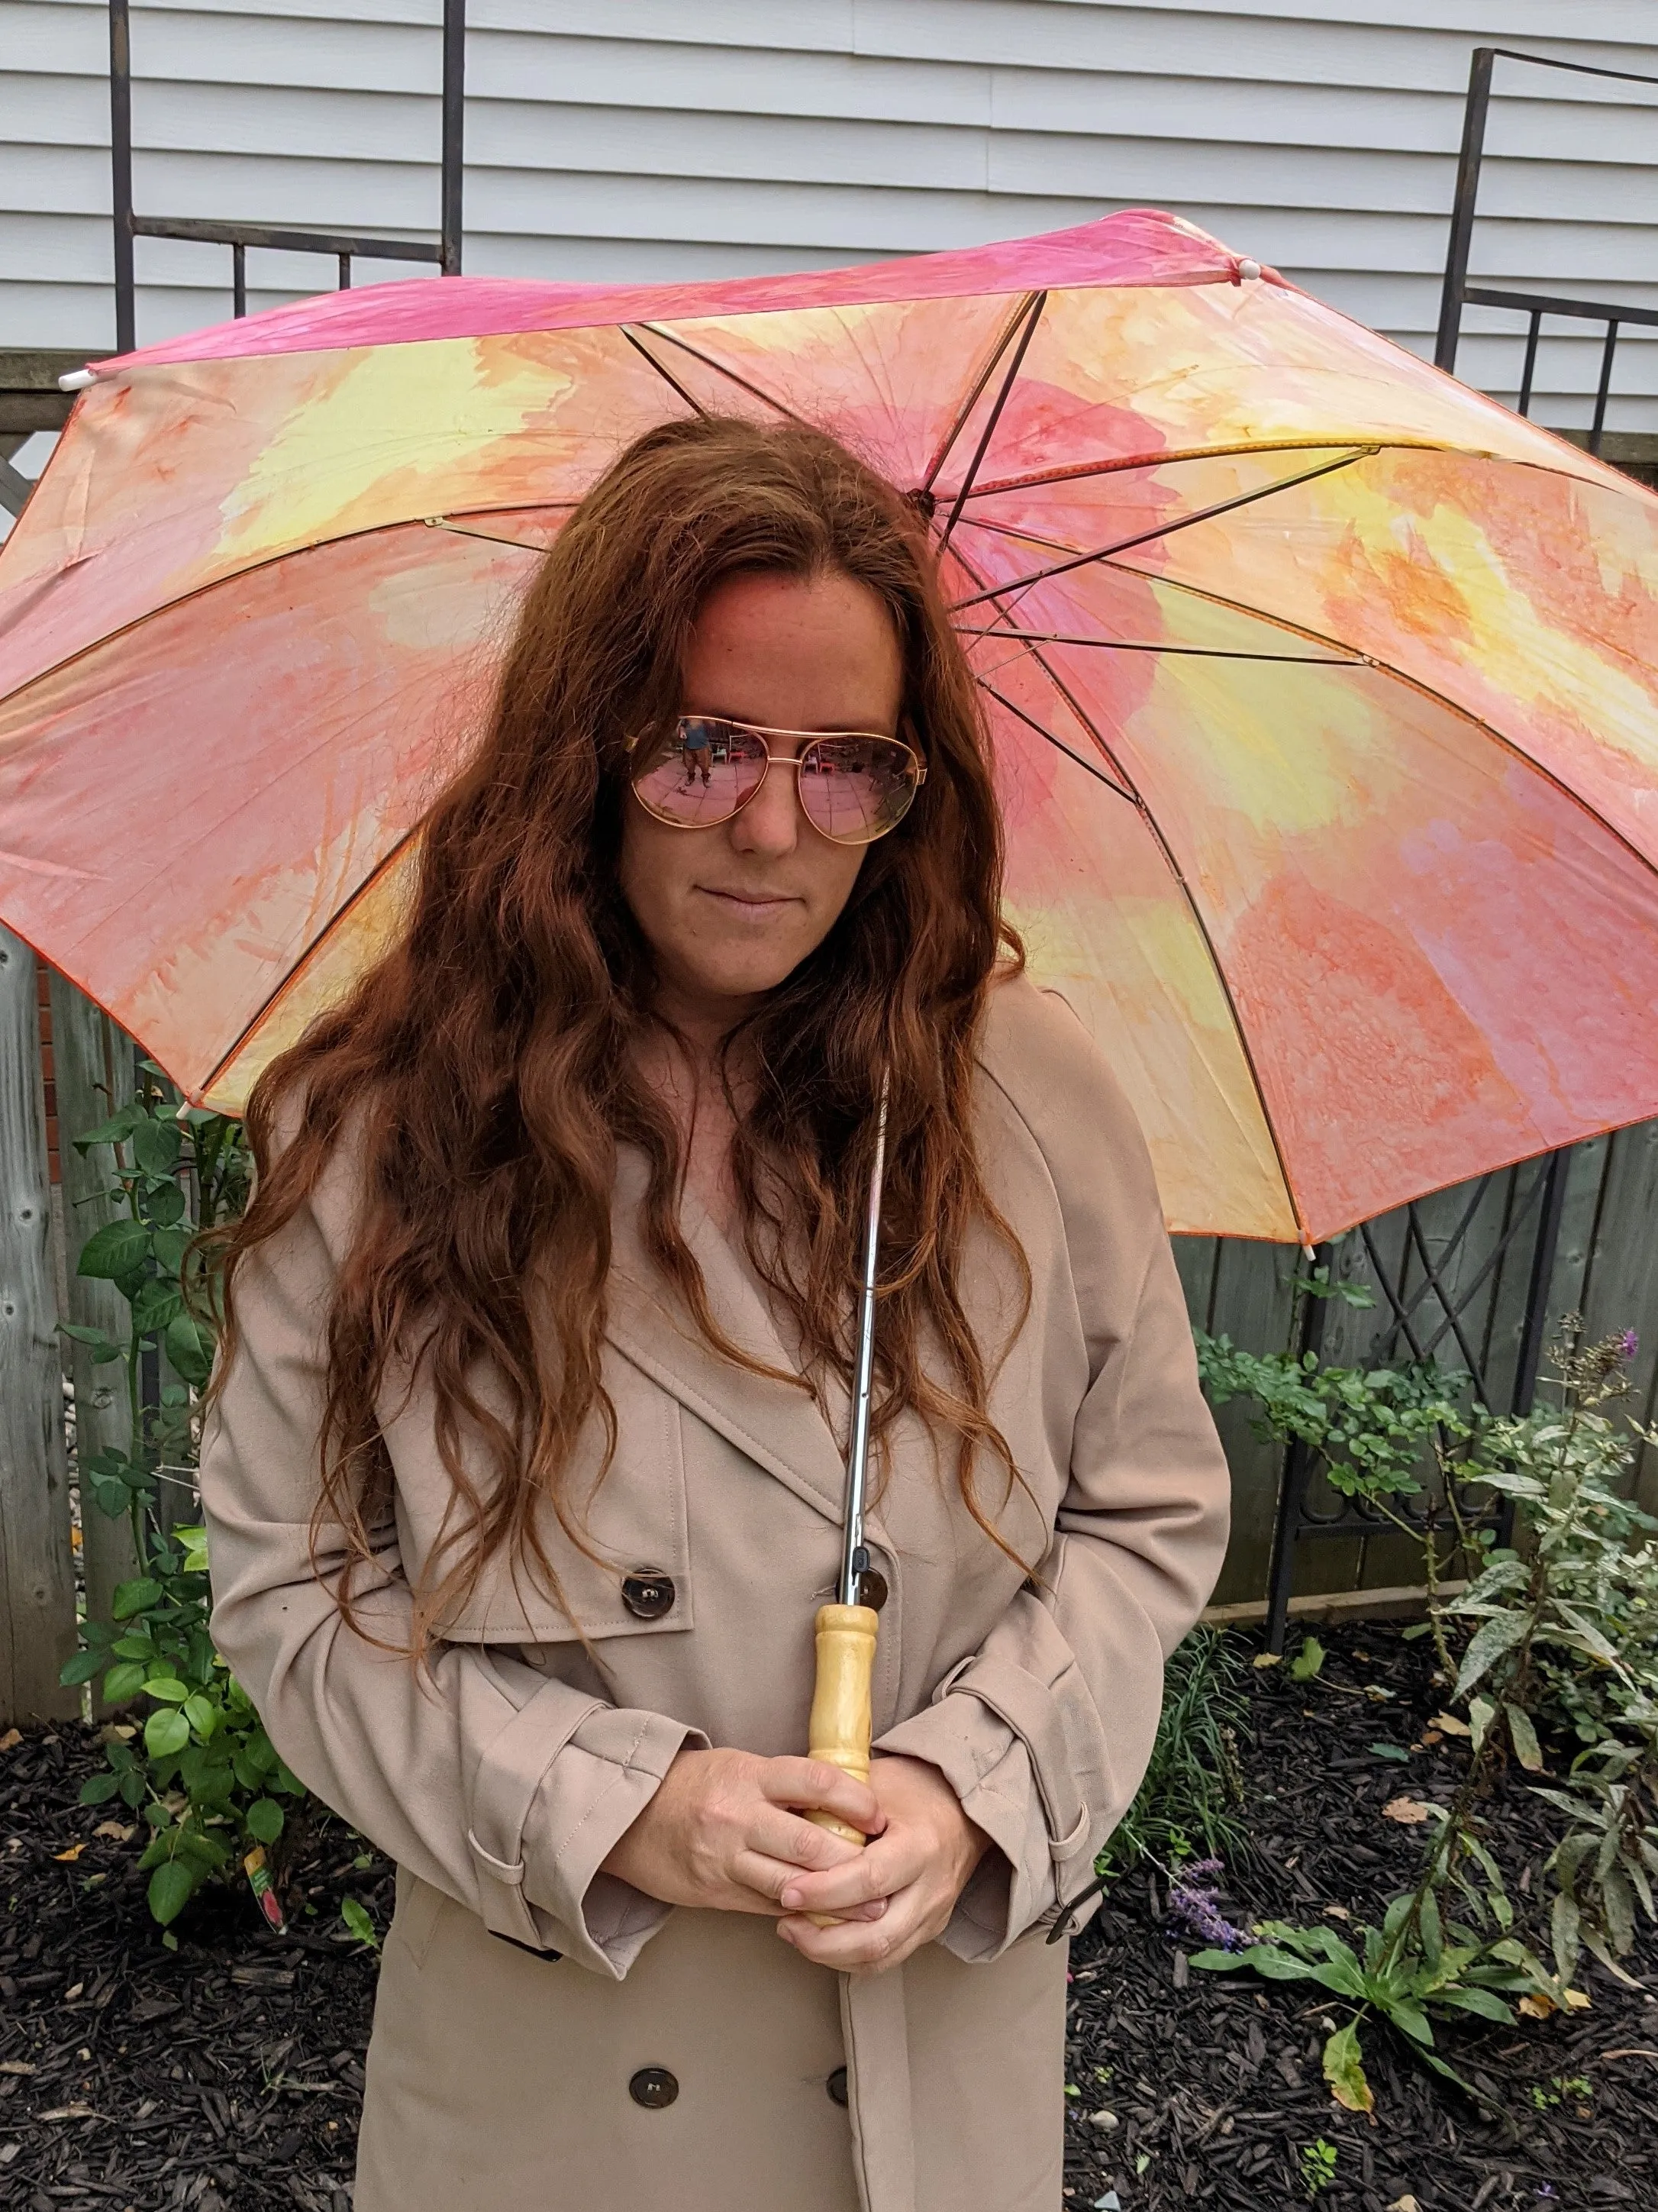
(498, 2072)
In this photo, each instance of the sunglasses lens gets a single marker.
(700, 772)
(855, 789)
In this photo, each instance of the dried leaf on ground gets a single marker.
(1410, 1812)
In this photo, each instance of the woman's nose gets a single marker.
(770, 822)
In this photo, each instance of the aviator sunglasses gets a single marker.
(854, 786)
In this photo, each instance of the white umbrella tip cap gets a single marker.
(76, 380)
(1248, 271)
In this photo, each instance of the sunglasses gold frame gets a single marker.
(807, 738)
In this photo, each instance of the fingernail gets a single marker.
(790, 1899)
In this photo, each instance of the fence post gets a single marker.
(94, 1066)
(37, 1575)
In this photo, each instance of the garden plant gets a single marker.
(1550, 1650)
(196, 1766)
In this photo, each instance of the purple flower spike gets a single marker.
(1629, 1344)
(1193, 1908)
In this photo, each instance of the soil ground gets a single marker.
(225, 2075)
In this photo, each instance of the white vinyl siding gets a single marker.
(643, 139)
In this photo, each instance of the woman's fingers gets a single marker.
(816, 1785)
(769, 1877)
(781, 1834)
(888, 1864)
(852, 1944)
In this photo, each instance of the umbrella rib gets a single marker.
(1074, 471)
(296, 967)
(1058, 744)
(1034, 315)
(666, 375)
(1154, 830)
(1138, 645)
(1168, 529)
(489, 536)
(1426, 690)
(951, 435)
(669, 337)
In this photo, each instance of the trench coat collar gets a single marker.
(775, 1423)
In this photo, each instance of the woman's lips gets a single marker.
(753, 904)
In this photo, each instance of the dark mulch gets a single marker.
(226, 2074)
(1215, 2081)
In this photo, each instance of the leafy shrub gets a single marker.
(198, 1769)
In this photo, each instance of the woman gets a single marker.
(527, 1468)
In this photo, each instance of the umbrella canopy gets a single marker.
(1323, 688)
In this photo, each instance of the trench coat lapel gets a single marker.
(776, 1423)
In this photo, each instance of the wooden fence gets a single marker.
(63, 1074)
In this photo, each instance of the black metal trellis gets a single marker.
(1458, 292)
(1430, 1316)
(342, 246)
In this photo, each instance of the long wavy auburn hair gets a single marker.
(484, 1073)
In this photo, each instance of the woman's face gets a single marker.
(730, 910)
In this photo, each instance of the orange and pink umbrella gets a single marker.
(1323, 689)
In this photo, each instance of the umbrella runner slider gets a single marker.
(839, 1729)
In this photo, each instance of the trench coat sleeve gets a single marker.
(499, 1786)
(1045, 1732)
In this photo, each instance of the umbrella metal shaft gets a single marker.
(854, 1559)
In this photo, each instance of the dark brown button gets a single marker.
(653, 2086)
(836, 2085)
(872, 1589)
(647, 1593)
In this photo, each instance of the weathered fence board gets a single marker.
(1620, 1289)
(37, 1579)
(94, 1069)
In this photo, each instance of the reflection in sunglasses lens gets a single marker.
(702, 774)
(852, 788)
(855, 787)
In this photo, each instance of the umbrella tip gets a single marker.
(1248, 271)
(76, 380)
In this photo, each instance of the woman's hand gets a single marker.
(723, 1830)
(898, 1892)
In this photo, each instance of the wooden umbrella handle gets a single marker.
(841, 1722)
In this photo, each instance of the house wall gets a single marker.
(660, 138)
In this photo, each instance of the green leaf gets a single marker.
(98, 1789)
(167, 1688)
(1433, 1940)
(79, 1333)
(1467, 1999)
(356, 1918)
(1343, 2070)
(125, 1681)
(1565, 1928)
(113, 1251)
(202, 1714)
(171, 1887)
(166, 1207)
(1389, 1751)
(1491, 1640)
(155, 1305)
(135, 1646)
(165, 1733)
(194, 1541)
(264, 1818)
(135, 1597)
(170, 1246)
(189, 1346)
(80, 1666)
(1523, 1735)
(1481, 1712)
(116, 1131)
(1409, 2016)
(156, 1145)
(1309, 1661)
